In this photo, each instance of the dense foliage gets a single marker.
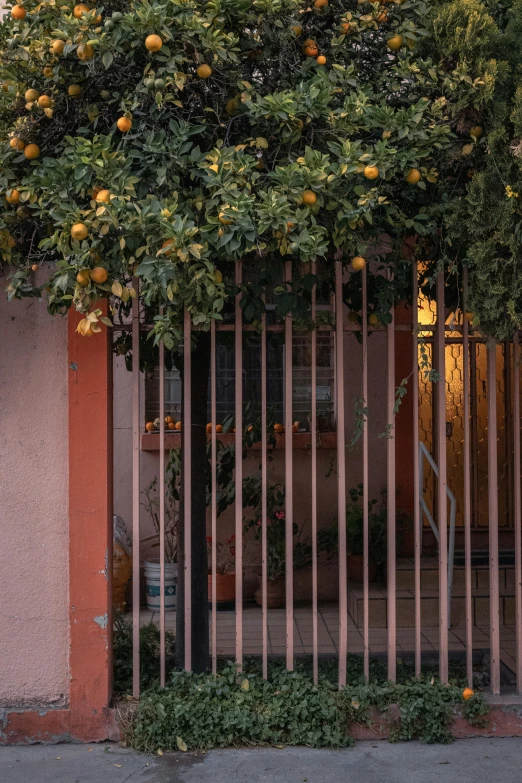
(167, 139)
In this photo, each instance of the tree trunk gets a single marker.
(199, 562)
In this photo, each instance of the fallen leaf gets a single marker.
(443, 762)
(118, 765)
(181, 745)
(160, 752)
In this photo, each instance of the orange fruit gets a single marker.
(467, 694)
(44, 101)
(32, 151)
(48, 71)
(74, 90)
(177, 425)
(13, 197)
(250, 428)
(58, 46)
(103, 196)
(18, 12)
(295, 426)
(310, 48)
(373, 319)
(394, 43)
(34, 267)
(309, 198)
(382, 18)
(149, 426)
(169, 420)
(171, 425)
(79, 231)
(358, 263)
(321, 60)
(320, 3)
(17, 144)
(476, 132)
(99, 274)
(153, 43)
(348, 27)
(278, 427)
(83, 277)
(85, 52)
(31, 95)
(80, 9)
(413, 176)
(124, 124)
(209, 427)
(203, 71)
(167, 244)
(371, 172)
(219, 428)
(297, 30)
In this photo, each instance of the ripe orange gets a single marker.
(278, 427)
(320, 3)
(124, 124)
(31, 95)
(13, 196)
(219, 428)
(348, 27)
(79, 231)
(74, 90)
(34, 267)
(103, 196)
(167, 244)
(83, 277)
(297, 30)
(171, 425)
(17, 144)
(321, 60)
(169, 420)
(309, 198)
(382, 18)
(149, 426)
(476, 132)
(177, 426)
(371, 172)
(18, 12)
(358, 263)
(58, 46)
(80, 9)
(99, 274)
(209, 427)
(310, 48)
(85, 51)
(394, 43)
(295, 426)
(32, 151)
(467, 694)
(203, 71)
(153, 43)
(413, 176)
(45, 101)
(373, 319)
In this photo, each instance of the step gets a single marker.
(405, 607)
(430, 575)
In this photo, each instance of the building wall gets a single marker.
(34, 637)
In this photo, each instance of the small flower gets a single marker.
(510, 193)
(280, 514)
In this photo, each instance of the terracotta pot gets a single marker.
(275, 593)
(356, 569)
(225, 588)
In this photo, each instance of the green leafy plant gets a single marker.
(149, 655)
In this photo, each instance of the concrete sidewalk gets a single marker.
(466, 761)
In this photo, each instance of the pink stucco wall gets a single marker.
(33, 505)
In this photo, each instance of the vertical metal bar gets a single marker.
(187, 484)
(313, 433)
(475, 514)
(467, 485)
(442, 507)
(517, 507)
(213, 419)
(289, 494)
(341, 474)
(416, 474)
(264, 485)
(508, 428)
(366, 534)
(162, 506)
(494, 613)
(136, 431)
(391, 502)
(239, 468)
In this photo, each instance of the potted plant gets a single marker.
(225, 571)
(276, 549)
(152, 566)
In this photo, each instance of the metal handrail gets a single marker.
(423, 452)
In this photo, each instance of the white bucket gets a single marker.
(152, 585)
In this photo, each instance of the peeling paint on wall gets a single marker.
(102, 620)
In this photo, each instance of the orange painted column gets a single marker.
(90, 533)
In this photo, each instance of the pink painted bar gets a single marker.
(467, 486)
(289, 492)
(341, 474)
(213, 511)
(517, 517)
(494, 592)
(366, 536)
(239, 469)
(391, 514)
(313, 433)
(187, 484)
(136, 491)
(162, 507)
(416, 473)
(264, 485)
(442, 501)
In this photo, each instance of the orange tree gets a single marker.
(166, 140)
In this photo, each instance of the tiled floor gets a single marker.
(328, 634)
